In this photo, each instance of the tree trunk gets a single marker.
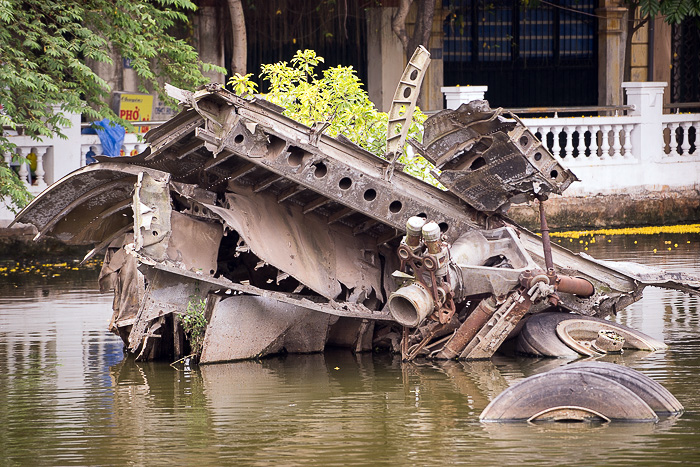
(239, 58)
(422, 28)
(398, 22)
(632, 27)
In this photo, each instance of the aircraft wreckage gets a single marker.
(296, 240)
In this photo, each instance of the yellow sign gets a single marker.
(136, 108)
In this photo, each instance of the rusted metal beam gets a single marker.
(163, 137)
(126, 204)
(189, 149)
(343, 213)
(469, 328)
(365, 226)
(388, 237)
(241, 171)
(218, 160)
(500, 324)
(315, 204)
(266, 183)
(290, 192)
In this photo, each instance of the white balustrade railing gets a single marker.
(43, 163)
(32, 162)
(680, 135)
(587, 140)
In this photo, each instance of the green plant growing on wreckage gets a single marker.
(194, 323)
(335, 97)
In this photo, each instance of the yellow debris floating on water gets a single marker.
(670, 229)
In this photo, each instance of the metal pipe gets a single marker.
(469, 328)
(410, 305)
(546, 243)
(431, 237)
(414, 227)
(574, 285)
(436, 329)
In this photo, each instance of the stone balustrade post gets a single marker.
(40, 172)
(647, 136)
(23, 172)
(458, 95)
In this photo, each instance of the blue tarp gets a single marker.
(111, 137)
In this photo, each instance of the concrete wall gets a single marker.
(385, 57)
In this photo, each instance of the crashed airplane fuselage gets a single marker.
(295, 240)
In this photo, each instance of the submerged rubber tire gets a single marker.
(539, 335)
(650, 391)
(540, 394)
(588, 330)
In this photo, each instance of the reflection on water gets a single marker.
(69, 397)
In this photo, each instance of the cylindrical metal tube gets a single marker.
(574, 285)
(414, 226)
(469, 328)
(546, 243)
(431, 237)
(410, 305)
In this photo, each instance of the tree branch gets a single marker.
(423, 27)
(239, 58)
(398, 22)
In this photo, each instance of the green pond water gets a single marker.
(69, 396)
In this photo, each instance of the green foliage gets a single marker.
(13, 193)
(194, 323)
(335, 97)
(242, 85)
(47, 49)
(673, 11)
